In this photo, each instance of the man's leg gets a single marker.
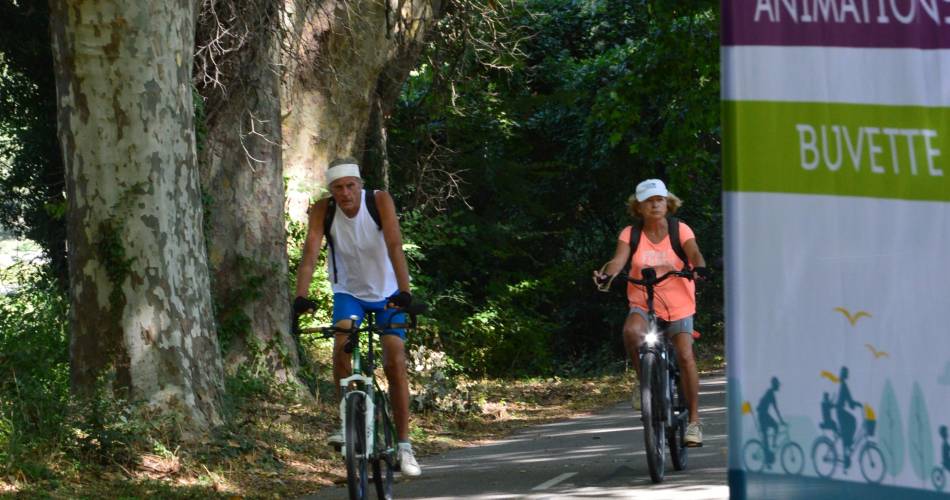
(394, 364)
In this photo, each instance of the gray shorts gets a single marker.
(682, 325)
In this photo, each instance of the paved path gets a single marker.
(594, 456)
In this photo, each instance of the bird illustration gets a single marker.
(830, 376)
(852, 318)
(877, 354)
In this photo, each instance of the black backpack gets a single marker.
(674, 230)
(328, 223)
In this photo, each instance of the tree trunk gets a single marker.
(352, 54)
(139, 287)
(242, 177)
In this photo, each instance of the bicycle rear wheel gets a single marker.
(753, 456)
(356, 452)
(652, 415)
(824, 457)
(386, 449)
(677, 429)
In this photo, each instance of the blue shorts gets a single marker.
(346, 305)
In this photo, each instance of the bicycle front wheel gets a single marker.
(793, 459)
(677, 430)
(356, 453)
(872, 463)
(651, 395)
(386, 450)
(824, 456)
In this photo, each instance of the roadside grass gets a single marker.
(274, 444)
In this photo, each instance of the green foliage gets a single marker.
(32, 181)
(34, 370)
(514, 180)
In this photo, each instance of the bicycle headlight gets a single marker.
(651, 338)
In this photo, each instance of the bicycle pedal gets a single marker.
(694, 445)
(337, 447)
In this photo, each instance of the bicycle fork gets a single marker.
(368, 415)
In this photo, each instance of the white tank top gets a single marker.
(362, 260)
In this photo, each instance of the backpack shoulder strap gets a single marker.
(373, 209)
(635, 229)
(674, 229)
(327, 224)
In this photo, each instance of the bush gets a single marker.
(34, 367)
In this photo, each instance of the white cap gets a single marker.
(650, 188)
(343, 170)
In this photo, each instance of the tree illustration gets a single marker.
(920, 443)
(891, 431)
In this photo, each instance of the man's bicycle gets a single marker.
(664, 406)
(366, 416)
(791, 456)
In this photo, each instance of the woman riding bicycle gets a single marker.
(675, 299)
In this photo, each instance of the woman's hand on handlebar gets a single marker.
(602, 280)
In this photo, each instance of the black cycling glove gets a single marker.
(401, 299)
(304, 305)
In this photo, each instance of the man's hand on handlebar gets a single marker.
(401, 299)
(303, 305)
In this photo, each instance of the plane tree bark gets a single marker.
(141, 305)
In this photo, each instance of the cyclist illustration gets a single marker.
(824, 453)
(766, 422)
(846, 420)
(757, 454)
(937, 476)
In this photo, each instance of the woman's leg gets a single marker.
(683, 342)
(634, 328)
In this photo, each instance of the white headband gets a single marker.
(343, 170)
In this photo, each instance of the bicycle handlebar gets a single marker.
(413, 310)
(648, 278)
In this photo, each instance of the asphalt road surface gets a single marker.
(593, 456)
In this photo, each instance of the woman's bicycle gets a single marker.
(825, 456)
(790, 454)
(366, 417)
(664, 406)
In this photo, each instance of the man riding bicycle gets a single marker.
(650, 207)
(766, 421)
(368, 272)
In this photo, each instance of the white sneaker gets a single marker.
(694, 434)
(335, 440)
(407, 462)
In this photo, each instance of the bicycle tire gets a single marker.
(753, 456)
(385, 456)
(651, 414)
(938, 478)
(676, 436)
(824, 456)
(793, 459)
(356, 480)
(873, 467)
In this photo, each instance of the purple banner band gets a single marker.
(920, 24)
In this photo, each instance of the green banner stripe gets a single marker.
(874, 151)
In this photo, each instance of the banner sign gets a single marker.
(836, 157)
